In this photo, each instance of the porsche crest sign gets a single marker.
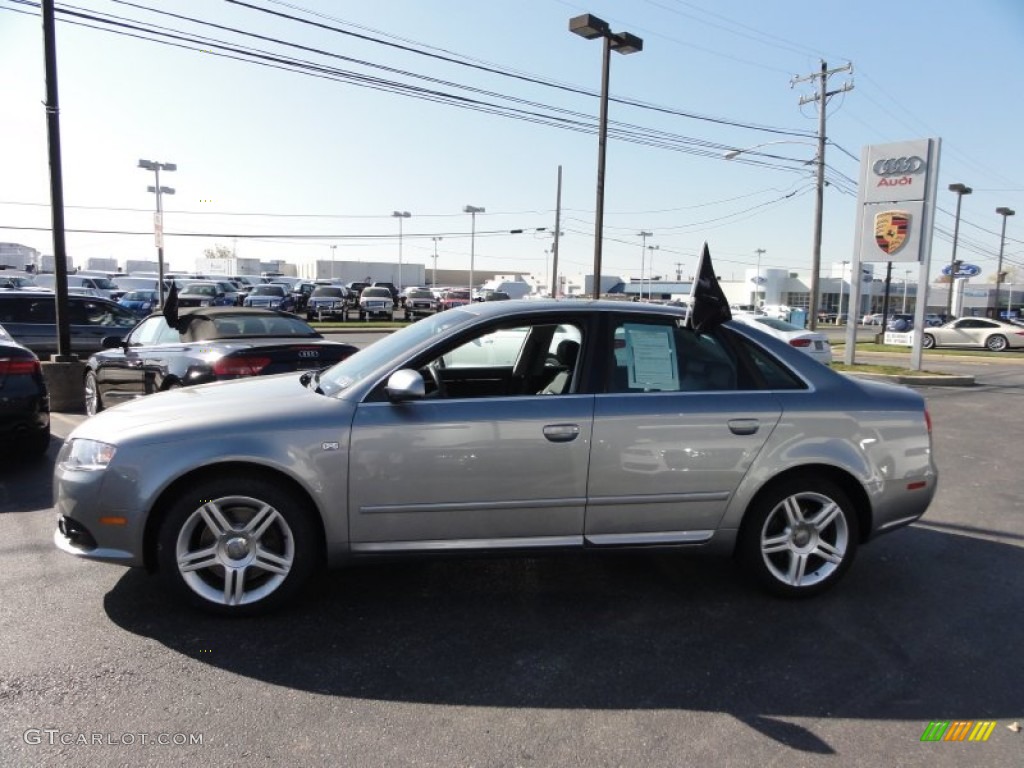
(891, 229)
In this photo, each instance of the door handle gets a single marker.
(561, 433)
(744, 426)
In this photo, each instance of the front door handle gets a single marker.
(744, 426)
(561, 433)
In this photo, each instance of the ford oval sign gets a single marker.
(966, 270)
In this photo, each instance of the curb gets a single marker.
(921, 381)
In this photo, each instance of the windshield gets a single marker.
(104, 283)
(366, 361)
(336, 292)
(138, 296)
(268, 290)
(377, 293)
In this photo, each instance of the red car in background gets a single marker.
(458, 297)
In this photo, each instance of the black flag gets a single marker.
(708, 306)
(170, 308)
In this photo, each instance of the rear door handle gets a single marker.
(561, 433)
(744, 426)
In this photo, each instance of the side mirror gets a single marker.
(405, 384)
(220, 295)
(113, 342)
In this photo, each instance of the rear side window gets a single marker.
(663, 356)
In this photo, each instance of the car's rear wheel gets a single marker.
(997, 343)
(800, 537)
(237, 545)
(93, 399)
(928, 341)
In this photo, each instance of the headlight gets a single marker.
(88, 455)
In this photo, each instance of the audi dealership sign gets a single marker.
(894, 187)
(895, 219)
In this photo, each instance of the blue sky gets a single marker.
(279, 164)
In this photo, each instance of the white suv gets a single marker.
(376, 302)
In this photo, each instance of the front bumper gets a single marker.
(94, 518)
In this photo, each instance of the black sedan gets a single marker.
(24, 402)
(205, 344)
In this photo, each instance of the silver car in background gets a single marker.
(502, 426)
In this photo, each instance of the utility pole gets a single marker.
(643, 245)
(757, 282)
(679, 271)
(558, 232)
(821, 97)
(433, 283)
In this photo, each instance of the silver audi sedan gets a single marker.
(502, 426)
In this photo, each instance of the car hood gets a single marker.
(241, 405)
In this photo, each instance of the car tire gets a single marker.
(996, 343)
(239, 545)
(93, 399)
(928, 341)
(799, 537)
(172, 384)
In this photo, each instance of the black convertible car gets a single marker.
(201, 345)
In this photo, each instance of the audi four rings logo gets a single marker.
(895, 166)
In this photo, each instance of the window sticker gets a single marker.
(651, 359)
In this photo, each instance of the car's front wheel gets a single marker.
(799, 537)
(93, 399)
(996, 343)
(237, 545)
(928, 341)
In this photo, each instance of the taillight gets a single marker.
(928, 420)
(240, 366)
(800, 343)
(19, 366)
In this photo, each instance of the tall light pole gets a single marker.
(333, 247)
(1004, 212)
(757, 281)
(158, 219)
(906, 279)
(643, 246)
(650, 269)
(590, 27)
(842, 282)
(961, 190)
(400, 215)
(433, 283)
(472, 210)
(819, 199)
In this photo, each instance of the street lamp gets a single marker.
(434, 281)
(158, 217)
(472, 210)
(643, 246)
(590, 27)
(734, 153)
(332, 261)
(906, 279)
(961, 190)
(1004, 212)
(400, 215)
(842, 283)
(819, 206)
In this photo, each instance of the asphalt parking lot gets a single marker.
(639, 659)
